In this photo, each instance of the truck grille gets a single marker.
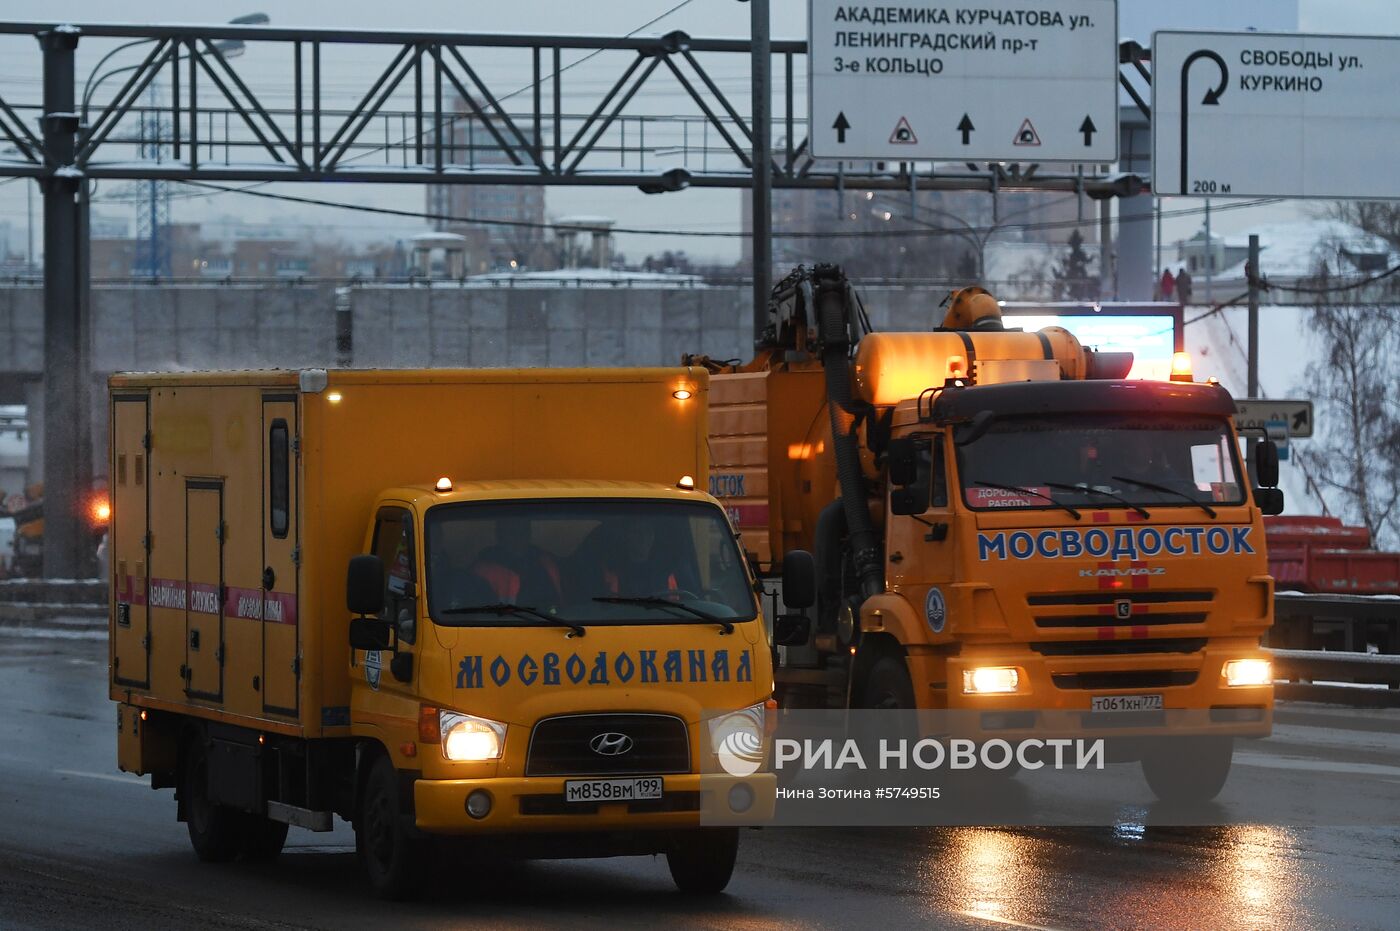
(1107, 620)
(1150, 608)
(1120, 647)
(562, 746)
(1130, 679)
(1108, 598)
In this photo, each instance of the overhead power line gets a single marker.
(707, 234)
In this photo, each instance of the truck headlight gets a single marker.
(466, 737)
(991, 680)
(1244, 672)
(737, 739)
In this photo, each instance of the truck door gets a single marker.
(281, 666)
(126, 542)
(204, 587)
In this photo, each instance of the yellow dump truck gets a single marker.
(1002, 525)
(482, 605)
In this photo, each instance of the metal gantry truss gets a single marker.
(219, 128)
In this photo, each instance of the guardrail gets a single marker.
(1337, 678)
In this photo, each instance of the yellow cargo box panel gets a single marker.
(240, 497)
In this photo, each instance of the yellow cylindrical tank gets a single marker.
(893, 367)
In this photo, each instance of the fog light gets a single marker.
(479, 804)
(1245, 672)
(740, 798)
(991, 680)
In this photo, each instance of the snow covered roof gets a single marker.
(1293, 250)
(579, 278)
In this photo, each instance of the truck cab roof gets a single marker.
(517, 489)
(1090, 396)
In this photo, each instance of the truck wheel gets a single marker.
(387, 854)
(1187, 769)
(702, 861)
(263, 838)
(887, 685)
(216, 831)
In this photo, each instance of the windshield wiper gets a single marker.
(505, 607)
(1091, 490)
(1029, 491)
(1166, 491)
(659, 602)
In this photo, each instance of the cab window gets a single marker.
(393, 544)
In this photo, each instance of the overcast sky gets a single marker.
(695, 209)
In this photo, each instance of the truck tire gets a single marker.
(216, 831)
(1187, 769)
(702, 861)
(387, 854)
(887, 685)
(263, 838)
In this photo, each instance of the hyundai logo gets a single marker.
(610, 743)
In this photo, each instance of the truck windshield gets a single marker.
(1116, 460)
(585, 561)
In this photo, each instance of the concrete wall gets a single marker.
(180, 327)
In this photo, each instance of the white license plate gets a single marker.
(612, 790)
(1127, 703)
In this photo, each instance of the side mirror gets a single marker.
(370, 633)
(1270, 500)
(903, 460)
(364, 585)
(972, 431)
(792, 630)
(1266, 463)
(799, 579)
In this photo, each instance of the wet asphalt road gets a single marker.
(82, 845)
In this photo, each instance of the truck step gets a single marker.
(300, 817)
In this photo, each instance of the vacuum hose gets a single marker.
(831, 296)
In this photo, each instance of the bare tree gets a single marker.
(1355, 460)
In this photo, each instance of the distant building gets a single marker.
(1199, 256)
(230, 249)
(518, 235)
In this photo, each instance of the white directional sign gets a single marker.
(979, 80)
(1259, 114)
(1295, 416)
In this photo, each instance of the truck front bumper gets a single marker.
(529, 804)
(1056, 695)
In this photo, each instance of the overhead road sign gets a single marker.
(983, 80)
(1254, 114)
(1258, 414)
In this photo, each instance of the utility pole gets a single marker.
(1252, 389)
(762, 247)
(1252, 342)
(66, 383)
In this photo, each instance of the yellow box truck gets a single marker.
(489, 605)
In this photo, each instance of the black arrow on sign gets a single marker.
(965, 127)
(1212, 98)
(1300, 420)
(841, 125)
(1088, 129)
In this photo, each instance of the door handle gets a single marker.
(269, 579)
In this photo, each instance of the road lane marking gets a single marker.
(106, 777)
(1009, 922)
